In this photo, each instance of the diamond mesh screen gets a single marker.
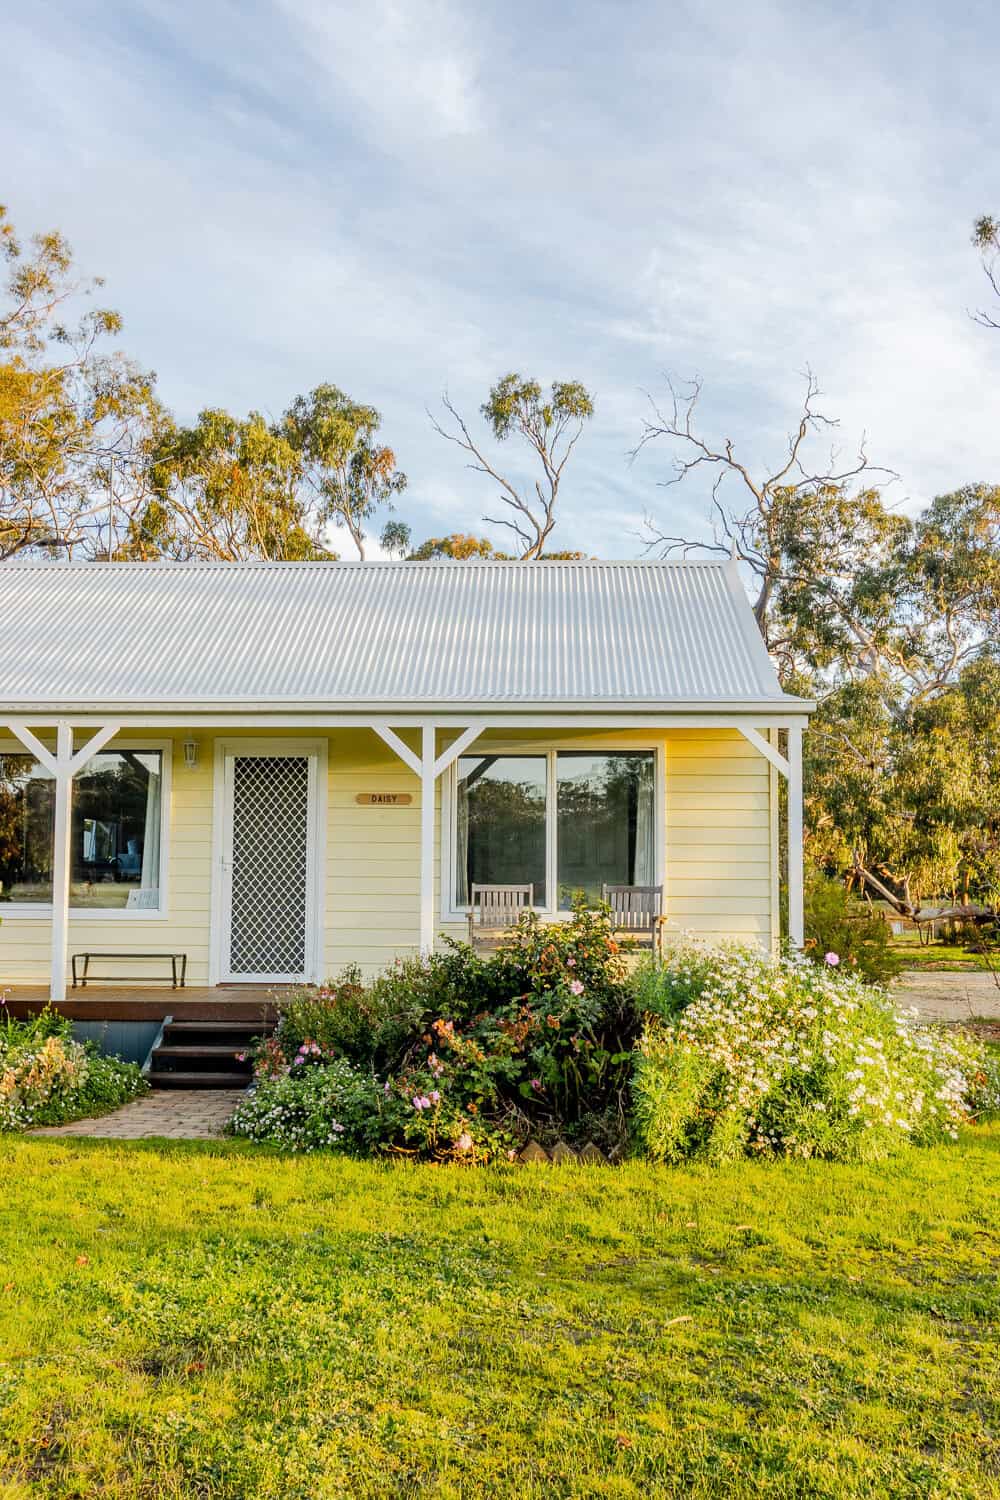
(270, 843)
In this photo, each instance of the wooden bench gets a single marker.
(80, 977)
(637, 914)
(494, 912)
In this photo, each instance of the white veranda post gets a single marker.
(428, 766)
(791, 769)
(796, 897)
(428, 781)
(63, 766)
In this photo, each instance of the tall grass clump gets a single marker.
(745, 1055)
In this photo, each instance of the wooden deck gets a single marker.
(146, 1002)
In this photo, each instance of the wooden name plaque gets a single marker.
(384, 799)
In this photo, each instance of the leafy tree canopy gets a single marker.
(349, 472)
(76, 417)
(892, 624)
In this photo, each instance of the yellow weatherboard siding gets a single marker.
(721, 849)
(719, 841)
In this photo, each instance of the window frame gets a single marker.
(451, 912)
(42, 910)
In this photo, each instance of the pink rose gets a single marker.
(833, 960)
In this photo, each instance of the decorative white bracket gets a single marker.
(766, 749)
(428, 765)
(791, 769)
(63, 766)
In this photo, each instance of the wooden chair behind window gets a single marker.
(637, 914)
(495, 911)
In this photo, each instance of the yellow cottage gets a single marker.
(260, 772)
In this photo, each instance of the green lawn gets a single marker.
(198, 1321)
(943, 956)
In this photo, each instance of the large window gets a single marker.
(605, 824)
(574, 820)
(115, 839)
(500, 822)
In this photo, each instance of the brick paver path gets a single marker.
(177, 1114)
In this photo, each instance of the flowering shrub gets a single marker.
(46, 1078)
(744, 1055)
(474, 1055)
(335, 1107)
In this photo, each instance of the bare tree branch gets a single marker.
(551, 427)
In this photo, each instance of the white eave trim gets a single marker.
(306, 711)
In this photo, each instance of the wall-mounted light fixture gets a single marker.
(190, 754)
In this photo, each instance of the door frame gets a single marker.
(317, 752)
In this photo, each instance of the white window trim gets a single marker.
(452, 913)
(41, 911)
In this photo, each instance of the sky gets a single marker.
(412, 197)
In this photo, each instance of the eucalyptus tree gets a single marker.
(228, 489)
(77, 417)
(892, 624)
(350, 474)
(550, 425)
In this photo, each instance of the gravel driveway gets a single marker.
(950, 997)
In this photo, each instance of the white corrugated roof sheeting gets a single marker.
(156, 635)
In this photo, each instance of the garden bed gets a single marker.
(47, 1078)
(555, 1042)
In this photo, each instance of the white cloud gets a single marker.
(410, 65)
(405, 196)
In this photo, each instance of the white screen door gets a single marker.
(268, 864)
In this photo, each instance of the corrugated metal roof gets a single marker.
(360, 634)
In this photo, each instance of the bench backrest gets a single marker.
(500, 905)
(143, 899)
(634, 908)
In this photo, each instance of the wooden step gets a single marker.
(235, 1081)
(250, 1028)
(236, 1038)
(198, 1059)
(198, 1049)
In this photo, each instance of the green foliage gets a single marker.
(233, 488)
(665, 988)
(787, 1058)
(76, 420)
(551, 427)
(346, 467)
(333, 1108)
(516, 404)
(369, 1024)
(910, 788)
(838, 923)
(46, 1078)
(228, 488)
(457, 545)
(471, 1054)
